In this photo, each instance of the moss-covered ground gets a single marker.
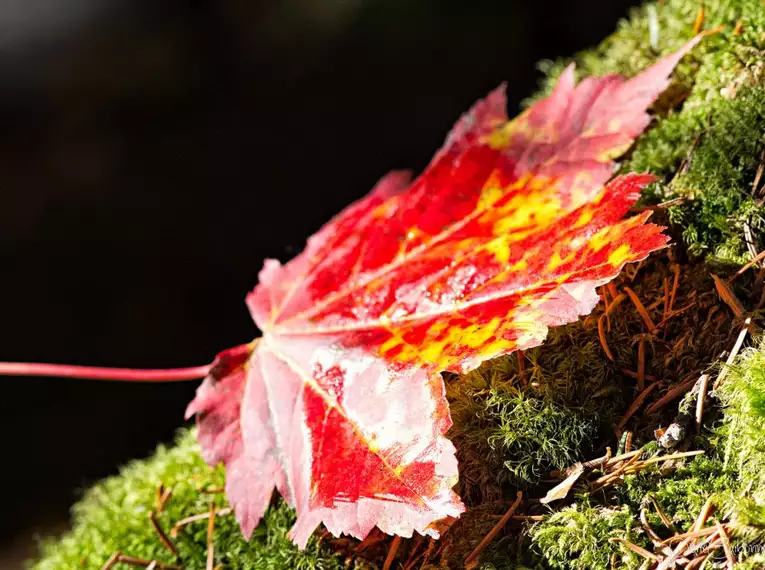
(628, 377)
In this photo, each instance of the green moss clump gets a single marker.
(577, 538)
(742, 396)
(510, 435)
(113, 515)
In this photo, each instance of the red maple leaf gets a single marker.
(340, 405)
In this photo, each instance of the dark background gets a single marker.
(153, 153)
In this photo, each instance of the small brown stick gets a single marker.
(200, 517)
(133, 561)
(636, 405)
(728, 296)
(471, 560)
(640, 309)
(211, 536)
(662, 515)
(699, 23)
(759, 257)
(671, 395)
(635, 548)
(733, 353)
(628, 442)
(726, 545)
(212, 490)
(641, 365)
(111, 561)
(163, 538)
(395, 543)
(703, 383)
(602, 337)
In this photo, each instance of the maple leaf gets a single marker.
(340, 405)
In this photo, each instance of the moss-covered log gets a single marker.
(518, 418)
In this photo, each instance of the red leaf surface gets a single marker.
(340, 405)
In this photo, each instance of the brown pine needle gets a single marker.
(640, 309)
(728, 296)
(111, 561)
(675, 283)
(655, 538)
(733, 353)
(471, 561)
(635, 548)
(754, 261)
(163, 538)
(395, 543)
(602, 337)
(699, 23)
(706, 510)
(623, 457)
(670, 560)
(671, 395)
(671, 457)
(690, 534)
(666, 300)
(641, 365)
(200, 517)
(726, 545)
(636, 405)
(703, 383)
(612, 289)
(662, 515)
(163, 497)
(615, 303)
(697, 562)
(633, 374)
(212, 490)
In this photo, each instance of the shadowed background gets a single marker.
(153, 153)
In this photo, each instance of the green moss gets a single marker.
(577, 538)
(113, 515)
(510, 435)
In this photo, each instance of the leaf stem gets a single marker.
(98, 373)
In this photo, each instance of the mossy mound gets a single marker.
(114, 516)
(620, 378)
